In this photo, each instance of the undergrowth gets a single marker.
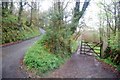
(109, 61)
(42, 60)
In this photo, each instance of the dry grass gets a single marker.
(90, 36)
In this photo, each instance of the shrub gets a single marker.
(37, 57)
(109, 61)
(11, 32)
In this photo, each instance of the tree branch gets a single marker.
(85, 5)
(65, 6)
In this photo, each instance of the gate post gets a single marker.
(84, 47)
(101, 49)
(81, 47)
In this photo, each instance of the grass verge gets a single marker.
(42, 61)
(74, 45)
(108, 61)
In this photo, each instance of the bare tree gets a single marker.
(118, 25)
(20, 14)
(78, 14)
(11, 6)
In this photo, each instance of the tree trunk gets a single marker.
(11, 7)
(75, 19)
(6, 5)
(20, 14)
(119, 25)
(115, 17)
(78, 14)
(31, 14)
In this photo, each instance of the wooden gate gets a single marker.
(90, 48)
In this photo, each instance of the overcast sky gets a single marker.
(91, 15)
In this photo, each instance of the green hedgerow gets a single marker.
(39, 58)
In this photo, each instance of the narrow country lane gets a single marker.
(78, 66)
(83, 66)
(11, 56)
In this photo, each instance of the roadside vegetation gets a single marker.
(109, 18)
(39, 58)
(23, 20)
(18, 24)
(56, 45)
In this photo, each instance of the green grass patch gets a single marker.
(40, 59)
(98, 48)
(90, 44)
(13, 34)
(108, 61)
(97, 51)
(74, 46)
(30, 32)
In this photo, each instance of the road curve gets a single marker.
(11, 56)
